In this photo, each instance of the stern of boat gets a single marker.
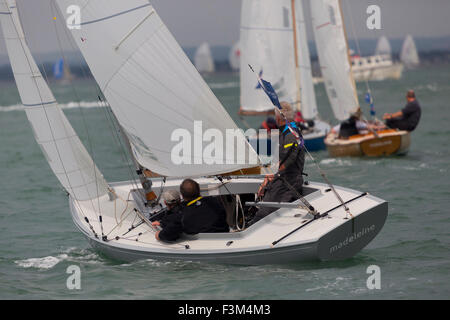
(351, 237)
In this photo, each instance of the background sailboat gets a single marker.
(383, 47)
(408, 54)
(274, 43)
(61, 71)
(203, 59)
(234, 57)
(336, 66)
(378, 67)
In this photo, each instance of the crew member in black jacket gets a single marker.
(407, 118)
(201, 214)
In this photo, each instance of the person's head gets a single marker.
(356, 115)
(410, 96)
(171, 198)
(271, 123)
(286, 109)
(189, 189)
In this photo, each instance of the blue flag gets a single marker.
(270, 91)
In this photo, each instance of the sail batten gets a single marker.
(333, 52)
(58, 141)
(151, 85)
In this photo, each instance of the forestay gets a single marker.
(203, 59)
(151, 86)
(333, 53)
(267, 44)
(61, 146)
(308, 96)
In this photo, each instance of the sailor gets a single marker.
(171, 222)
(201, 214)
(280, 187)
(407, 118)
(269, 124)
(351, 126)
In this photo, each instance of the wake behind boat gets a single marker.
(152, 92)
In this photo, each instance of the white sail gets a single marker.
(308, 96)
(61, 146)
(235, 57)
(332, 47)
(153, 89)
(203, 59)
(383, 47)
(267, 44)
(408, 54)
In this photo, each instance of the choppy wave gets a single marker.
(74, 255)
(336, 162)
(69, 105)
(41, 263)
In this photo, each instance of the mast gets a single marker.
(355, 92)
(297, 67)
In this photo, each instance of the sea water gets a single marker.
(39, 241)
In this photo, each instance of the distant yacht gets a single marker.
(61, 71)
(203, 59)
(409, 55)
(235, 57)
(377, 67)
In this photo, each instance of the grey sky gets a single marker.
(217, 21)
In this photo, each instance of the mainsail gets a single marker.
(332, 47)
(203, 59)
(153, 88)
(308, 96)
(408, 54)
(61, 146)
(267, 44)
(383, 47)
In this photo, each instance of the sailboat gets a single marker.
(408, 53)
(203, 59)
(153, 89)
(61, 71)
(234, 57)
(377, 67)
(274, 42)
(335, 62)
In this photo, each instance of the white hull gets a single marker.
(376, 68)
(329, 238)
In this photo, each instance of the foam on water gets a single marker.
(69, 105)
(41, 263)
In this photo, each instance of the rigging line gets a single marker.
(91, 149)
(43, 107)
(99, 93)
(322, 173)
(357, 45)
